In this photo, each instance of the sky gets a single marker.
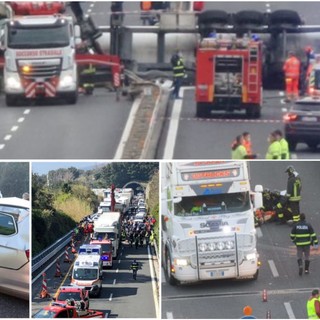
(44, 167)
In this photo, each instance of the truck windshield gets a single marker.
(213, 204)
(107, 247)
(38, 37)
(85, 274)
(45, 314)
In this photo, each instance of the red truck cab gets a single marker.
(25, 8)
(77, 294)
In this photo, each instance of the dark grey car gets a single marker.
(302, 123)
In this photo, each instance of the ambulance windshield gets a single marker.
(85, 274)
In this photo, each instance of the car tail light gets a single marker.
(28, 254)
(289, 117)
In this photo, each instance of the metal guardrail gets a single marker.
(50, 252)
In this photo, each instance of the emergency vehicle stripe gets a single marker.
(50, 89)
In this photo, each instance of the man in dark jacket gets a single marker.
(303, 236)
(294, 187)
(178, 74)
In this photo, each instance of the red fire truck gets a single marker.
(229, 76)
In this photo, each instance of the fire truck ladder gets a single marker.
(253, 70)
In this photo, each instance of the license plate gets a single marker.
(218, 273)
(309, 119)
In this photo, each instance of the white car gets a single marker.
(14, 247)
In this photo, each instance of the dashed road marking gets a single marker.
(290, 313)
(114, 281)
(117, 270)
(273, 268)
(2, 146)
(27, 111)
(169, 315)
(111, 295)
(226, 120)
(119, 261)
(20, 119)
(14, 128)
(7, 137)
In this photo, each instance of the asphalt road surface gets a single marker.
(121, 296)
(287, 293)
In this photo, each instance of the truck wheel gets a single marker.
(249, 17)
(280, 17)
(169, 276)
(11, 101)
(253, 111)
(210, 20)
(202, 110)
(72, 98)
(292, 144)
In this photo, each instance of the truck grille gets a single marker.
(216, 251)
(40, 69)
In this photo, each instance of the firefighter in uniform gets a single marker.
(285, 154)
(313, 305)
(134, 267)
(281, 208)
(294, 187)
(274, 149)
(291, 70)
(178, 74)
(303, 236)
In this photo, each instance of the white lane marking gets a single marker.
(294, 156)
(7, 137)
(173, 127)
(14, 128)
(283, 101)
(27, 111)
(268, 10)
(259, 233)
(273, 268)
(20, 119)
(114, 281)
(169, 315)
(127, 129)
(290, 313)
(91, 5)
(284, 110)
(154, 287)
(111, 295)
(117, 270)
(89, 10)
(163, 277)
(267, 4)
(281, 93)
(119, 261)
(2, 146)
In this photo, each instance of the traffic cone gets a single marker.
(44, 292)
(264, 296)
(58, 269)
(73, 250)
(268, 316)
(66, 256)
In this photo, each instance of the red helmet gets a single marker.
(308, 49)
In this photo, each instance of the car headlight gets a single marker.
(13, 83)
(251, 256)
(66, 81)
(181, 262)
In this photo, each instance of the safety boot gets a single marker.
(306, 266)
(300, 267)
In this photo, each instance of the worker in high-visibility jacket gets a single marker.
(291, 69)
(285, 153)
(294, 186)
(313, 305)
(274, 149)
(88, 85)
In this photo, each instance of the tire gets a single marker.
(172, 281)
(11, 101)
(292, 144)
(72, 98)
(202, 110)
(249, 17)
(312, 145)
(213, 16)
(280, 17)
(253, 111)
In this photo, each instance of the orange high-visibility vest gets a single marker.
(291, 68)
(146, 5)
